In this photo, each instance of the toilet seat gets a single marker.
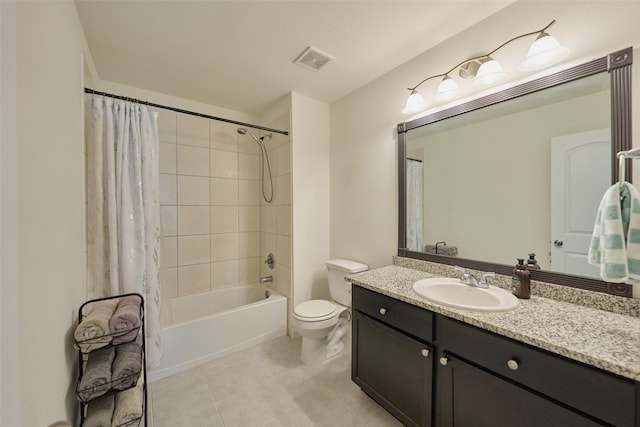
(315, 310)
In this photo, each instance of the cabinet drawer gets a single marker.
(605, 396)
(406, 317)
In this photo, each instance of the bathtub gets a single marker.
(212, 324)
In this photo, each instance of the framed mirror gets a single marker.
(517, 172)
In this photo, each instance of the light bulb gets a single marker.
(448, 89)
(415, 103)
(543, 52)
(489, 72)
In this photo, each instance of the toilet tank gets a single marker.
(340, 289)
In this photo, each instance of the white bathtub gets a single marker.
(212, 324)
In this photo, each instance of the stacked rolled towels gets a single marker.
(127, 365)
(121, 409)
(97, 377)
(109, 335)
(100, 412)
(128, 406)
(441, 249)
(94, 331)
(125, 322)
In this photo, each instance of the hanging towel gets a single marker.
(94, 332)
(125, 323)
(615, 243)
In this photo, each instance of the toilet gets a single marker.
(322, 323)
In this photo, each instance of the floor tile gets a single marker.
(266, 386)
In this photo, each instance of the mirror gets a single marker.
(503, 176)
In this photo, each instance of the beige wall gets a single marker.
(50, 206)
(310, 163)
(363, 136)
(9, 340)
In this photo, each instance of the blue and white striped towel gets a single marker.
(615, 243)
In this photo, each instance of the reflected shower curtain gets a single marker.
(414, 205)
(123, 207)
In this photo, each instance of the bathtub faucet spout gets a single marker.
(266, 279)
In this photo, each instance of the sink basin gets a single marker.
(452, 293)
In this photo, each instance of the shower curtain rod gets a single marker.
(178, 110)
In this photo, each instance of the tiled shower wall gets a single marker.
(216, 230)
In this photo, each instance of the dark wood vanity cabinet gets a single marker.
(488, 380)
(472, 397)
(393, 367)
(475, 378)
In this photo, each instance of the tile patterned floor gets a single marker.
(268, 386)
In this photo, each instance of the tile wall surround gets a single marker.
(598, 300)
(216, 230)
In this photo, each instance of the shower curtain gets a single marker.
(414, 205)
(123, 208)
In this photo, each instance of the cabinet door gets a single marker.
(394, 369)
(471, 397)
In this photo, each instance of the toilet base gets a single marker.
(316, 351)
(312, 349)
(324, 348)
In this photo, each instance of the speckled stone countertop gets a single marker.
(603, 339)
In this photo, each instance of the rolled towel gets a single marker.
(94, 332)
(128, 406)
(125, 323)
(441, 250)
(100, 412)
(96, 379)
(127, 365)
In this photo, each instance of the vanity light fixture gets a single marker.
(485, 70)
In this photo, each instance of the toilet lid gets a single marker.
(315, 309)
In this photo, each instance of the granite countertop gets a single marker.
(598, 338)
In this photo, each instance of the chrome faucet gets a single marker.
(469, 279)
(266, 279)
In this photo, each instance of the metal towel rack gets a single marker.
(622, 156)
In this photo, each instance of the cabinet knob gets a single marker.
(425, 352)
(513, 364)
(444, 361)
(383, 311)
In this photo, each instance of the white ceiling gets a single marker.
(239, 54)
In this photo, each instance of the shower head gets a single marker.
(264, 158)
(243, 131)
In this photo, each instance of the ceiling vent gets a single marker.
(313, 59)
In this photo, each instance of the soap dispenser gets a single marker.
(521, 280)
(532, 262)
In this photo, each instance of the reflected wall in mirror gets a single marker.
(505, 176)
(493, 167)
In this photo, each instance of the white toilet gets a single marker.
(322, 323)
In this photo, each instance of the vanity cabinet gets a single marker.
(472, 397)
(391, 365)
(427, 368)
(488, 380)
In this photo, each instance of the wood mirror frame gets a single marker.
(618, 65)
